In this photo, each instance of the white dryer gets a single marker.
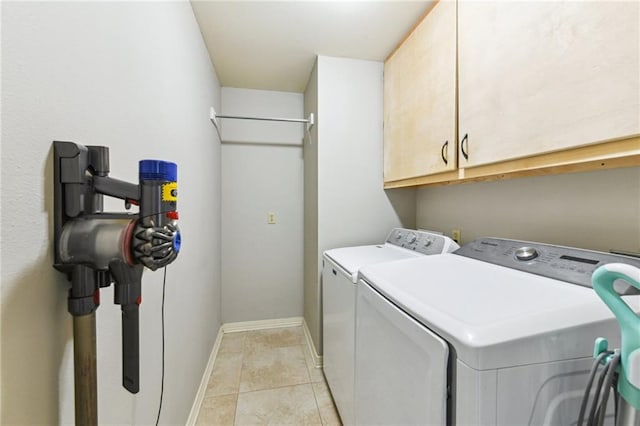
(339, 280)
(500, 332)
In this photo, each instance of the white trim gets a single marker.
(317, 359)
(197, 403)
(234, 327)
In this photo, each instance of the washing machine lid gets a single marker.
(494, 316)
(351, 259)
(400, 244)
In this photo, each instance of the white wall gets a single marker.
(137, 78)
(352, 207)
(312, 295)
(596, 210)
(261, 173)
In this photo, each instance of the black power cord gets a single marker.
(164, 284)
(606, 381)
(608, 384)
(587, 393)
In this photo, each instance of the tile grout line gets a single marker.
(315, 396)
(260, 348)
(306, 367)
(220, 351)
(274, 388)
(244, 345)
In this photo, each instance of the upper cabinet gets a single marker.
(542, 87)
(419, 99)
(538, 77)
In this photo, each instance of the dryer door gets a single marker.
(401, 366)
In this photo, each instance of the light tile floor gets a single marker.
(266, 377)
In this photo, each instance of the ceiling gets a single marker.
(272, 45)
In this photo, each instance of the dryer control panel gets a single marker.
(557, 262)
(421, 241)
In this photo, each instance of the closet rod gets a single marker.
(291, 120)
(214, 120)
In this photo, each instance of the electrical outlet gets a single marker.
(456, 235)
(271, 218)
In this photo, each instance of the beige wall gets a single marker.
(595, 210)
(261, 173)
(135, 77)
(345, 204)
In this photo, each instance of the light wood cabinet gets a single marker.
(419, 99)
(539, 77)
(543, 88)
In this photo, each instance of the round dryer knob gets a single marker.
(427, 243)
(526, 253)
(411, 238)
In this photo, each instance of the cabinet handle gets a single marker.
(443, 151)
(464, 139)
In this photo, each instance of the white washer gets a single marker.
(339, 280)
(500, 332)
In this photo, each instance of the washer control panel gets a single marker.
(562, 263)
(421, 241)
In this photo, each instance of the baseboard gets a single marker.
(317, 359)
(235, 327)
(197, 403)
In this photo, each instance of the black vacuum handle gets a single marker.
(131, 347)
(128, 294)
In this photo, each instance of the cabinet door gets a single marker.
(543, 76)
(419, 99)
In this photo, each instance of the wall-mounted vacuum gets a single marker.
(95, 249)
